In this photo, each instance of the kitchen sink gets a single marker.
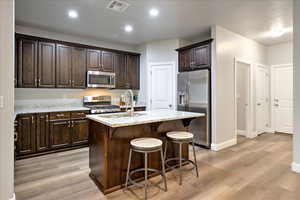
(120, 115)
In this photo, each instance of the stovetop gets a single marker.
(100, 104)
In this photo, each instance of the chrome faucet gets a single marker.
(131, 111)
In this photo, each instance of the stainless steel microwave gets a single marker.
(98, 79)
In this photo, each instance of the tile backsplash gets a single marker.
(39, 96)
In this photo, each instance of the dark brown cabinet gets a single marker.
(60, 133)
(93, 59)
(63, 66)
(26, 134)
(46, 132)
(195, 56)
(46, 65)
(80, 131)
(127, 71)
(201, 57)
(42, 132)
(133, 72)
(120, 69)
(100, 60)
(78, 67)
(107, 61)
(27, 63)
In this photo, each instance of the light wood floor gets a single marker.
(256, 169)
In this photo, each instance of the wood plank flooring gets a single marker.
(257, 169)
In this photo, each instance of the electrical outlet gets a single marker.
(1, 101)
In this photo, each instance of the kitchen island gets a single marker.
(109, 139)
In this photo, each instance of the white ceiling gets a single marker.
(186, 19)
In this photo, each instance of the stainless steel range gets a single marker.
(100, 104)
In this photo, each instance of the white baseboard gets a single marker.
(223, 145)
(295, 167)
(269, 130)
(241, 132)
(13, 197)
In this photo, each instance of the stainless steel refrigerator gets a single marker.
(194, 95)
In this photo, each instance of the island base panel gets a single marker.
(109, 151)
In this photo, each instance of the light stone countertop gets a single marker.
(46, 109)
(145, 117)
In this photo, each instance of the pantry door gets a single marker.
(162, 86)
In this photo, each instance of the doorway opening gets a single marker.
(282, 98)
(242, 99)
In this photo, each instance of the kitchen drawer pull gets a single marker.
(16, 136)
(60, 115)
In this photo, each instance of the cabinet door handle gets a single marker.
(32, 119)
(16, 136)
(39, 82)
(47, 119)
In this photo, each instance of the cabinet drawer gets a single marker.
(79, 114)
(60, 115)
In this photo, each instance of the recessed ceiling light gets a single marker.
(153, 12)
(277, 32)
(128, 28)
(72, 14)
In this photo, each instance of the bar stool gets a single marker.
(181, 137)
(145, 146)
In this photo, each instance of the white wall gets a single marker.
(296, 137)
(6, 89)
(70, 38)
(157, 51)
(280, 53)
(228, 45)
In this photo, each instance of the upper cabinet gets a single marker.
(78, 67)
(63, 66)
(93, 59)
(46, 63)
(27, 63)
(133, 72)
(195, 56)
(100, 60)
(127, 68)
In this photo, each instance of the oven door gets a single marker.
(97, 79)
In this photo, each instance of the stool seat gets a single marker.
(146, 144)
(180, 135)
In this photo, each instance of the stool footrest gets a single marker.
(184, 161)
(143, 169)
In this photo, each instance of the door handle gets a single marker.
(170, 105)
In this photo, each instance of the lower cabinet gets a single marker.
(26, 134)
(60, 134)
(44, 132)
(80, 131)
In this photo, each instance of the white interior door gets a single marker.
(242, 97)
(162, 78)
(283, 98)
(262, 100)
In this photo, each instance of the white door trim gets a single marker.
(149, 82)
(272, 92)
(249, 133)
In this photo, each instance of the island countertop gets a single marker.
(143, 117)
